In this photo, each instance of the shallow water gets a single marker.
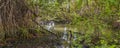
(47, 41)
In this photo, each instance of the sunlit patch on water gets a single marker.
(65, 34)
(50, 25)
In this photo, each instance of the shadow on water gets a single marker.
(46, 41)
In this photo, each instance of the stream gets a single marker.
(65, 38)
(48, 41)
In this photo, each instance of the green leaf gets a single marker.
(79, 3)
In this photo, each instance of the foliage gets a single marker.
(97, 21)
(101, 22)
(93, 18)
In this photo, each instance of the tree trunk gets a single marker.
(14, 14)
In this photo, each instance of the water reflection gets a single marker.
(65, 34)
(65, 38)
(50, 25)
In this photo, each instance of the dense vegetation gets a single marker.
(97, 21)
